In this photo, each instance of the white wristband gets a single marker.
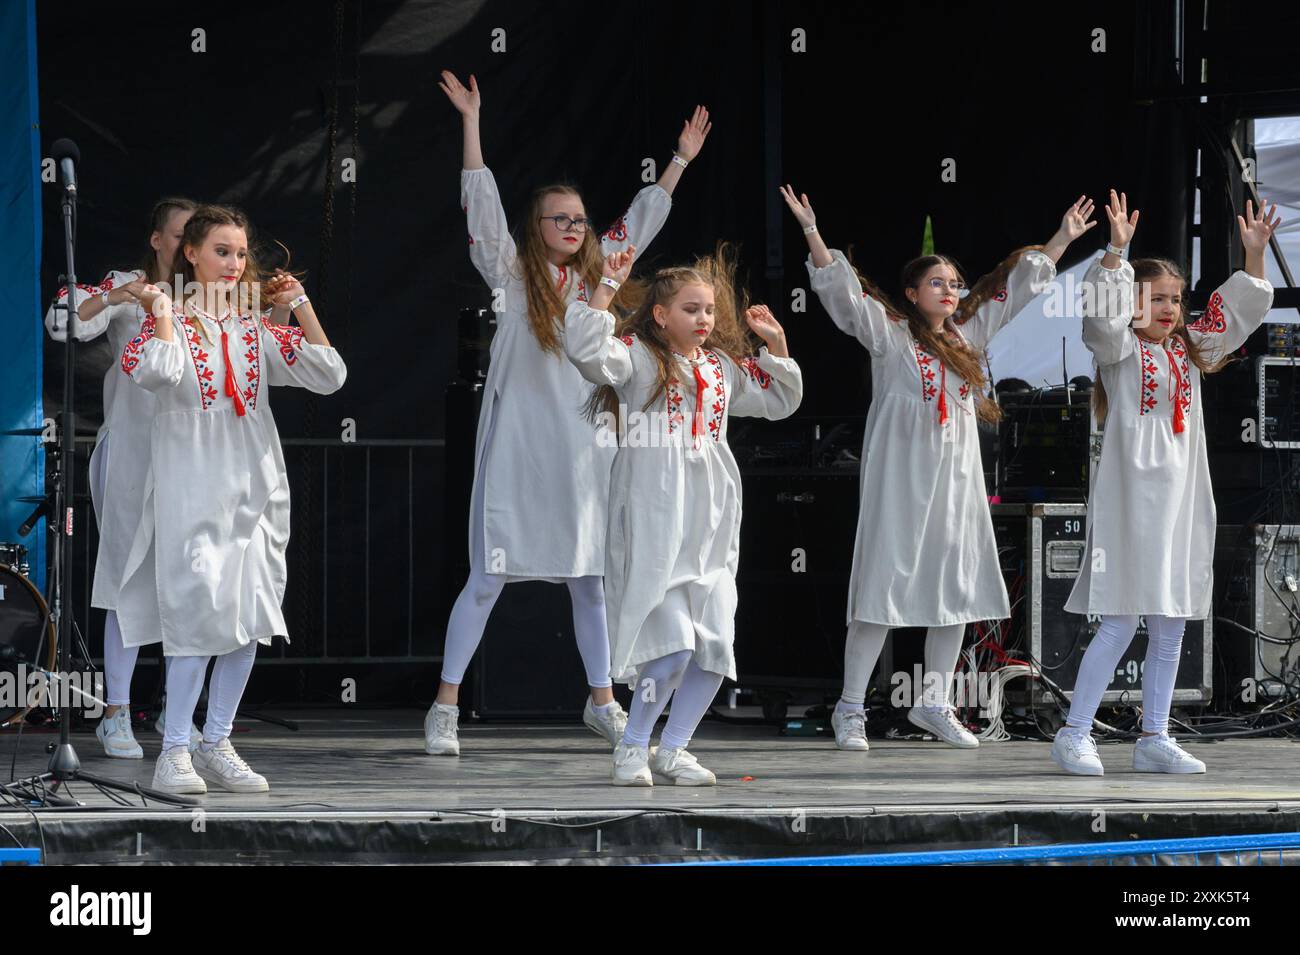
(1115, 250)
(809, 229)
(300, 300)
(680, 161)
(612, 283)
(103, 296)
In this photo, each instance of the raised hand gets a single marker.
(764, 324)
(1122, 225)
(1075, 221)
(618, 265)
(282, 287)
(694, 131)
(801, 208)
(466, 101)
(1257, 228)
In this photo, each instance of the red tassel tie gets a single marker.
(943, 393)
(1178, 393)
(699, 406)
(231, 390)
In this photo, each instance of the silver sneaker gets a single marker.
(227, 769)
(174, 773)
(609, 724)
(850, 729)
(631, 766)
(440, 730)
(680, 767)
(942, 722)
(1161, 754)
(1076, 753)
(115, 733)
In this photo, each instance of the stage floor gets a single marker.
(356, 785)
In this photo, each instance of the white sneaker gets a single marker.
(196, 736)
(850, 729)
(631, 766)
(942, 722)
(440, 730)
(1076, 753)
(609, 724)
(680, 767)
(115, 733)
(228, 770)
(1160, 754)
(174, 773)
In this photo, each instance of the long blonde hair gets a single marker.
(545, 302)
(637, 300)
(1144, 270)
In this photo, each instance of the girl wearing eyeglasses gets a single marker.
(925, 555)
(1151, 518)
(541, 478)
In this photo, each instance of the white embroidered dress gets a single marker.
(206, 569)
(121, 457)
(675, 492)
(1151, 514)
(925, 554)
(544, 479)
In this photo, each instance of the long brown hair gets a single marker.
(204, 220)
(162, 211)
(1145, 270)
(957, 355)
(638, 298)
(545, 302)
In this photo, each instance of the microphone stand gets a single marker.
(64, 767)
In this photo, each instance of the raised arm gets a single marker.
(491, 247)
(689, 142)
(155, 359)
(1107, 305)
(1239, 305)
(771, 384)
(589, 340)
(852, 310)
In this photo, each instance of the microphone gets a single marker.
(67, 155)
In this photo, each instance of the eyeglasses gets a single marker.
(940, 285)
(568, 224)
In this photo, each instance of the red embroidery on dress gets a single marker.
(628, 340)
(1212, 321)
(564, 277)
(290, 339)
(90, 290)
(674, 399)
(131, 354)
(925, 363)
(1185, 369)
(618, 231)
(750, 365)
(1001, 295)
(719, 405)
(1147, 396)
(252, 352)
(582, 290)
(964, 390)
(202, 369)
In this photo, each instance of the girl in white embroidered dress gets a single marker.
(121, 456)
(672, 373)
(206, 569)
(539, 499)
(925, 555)
(1151, 515)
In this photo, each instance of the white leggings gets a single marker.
(1164, 646)
(692, 690)
(226, 689)
(119, 662)
(469, 615)
(862, 649)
